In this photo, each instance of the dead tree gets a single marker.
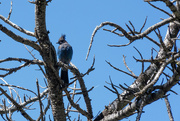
(144, 90)
(49, 67)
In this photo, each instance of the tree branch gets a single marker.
(84, 90)
(141, 81)
(79, 76)
(20, 39)
(16, 26)
(77, 106)
(35, 61)
(131, 108)
(168, 109)
(170, 5)
(11, 70)
(10, 12)
(132, 75)
(40, 103)
(19, 108)
(160, 9)
(29, 101)
(126, 34)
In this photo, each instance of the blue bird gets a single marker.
(64, 53)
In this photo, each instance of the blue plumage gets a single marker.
(64, 53)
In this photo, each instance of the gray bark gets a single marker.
(48, 54)
(141, 81)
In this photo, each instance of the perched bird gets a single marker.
(64, 53)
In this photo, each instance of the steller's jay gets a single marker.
(64, 53)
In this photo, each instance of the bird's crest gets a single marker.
(63, 37)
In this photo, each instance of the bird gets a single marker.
(64, 53)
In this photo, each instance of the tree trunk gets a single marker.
(48, 54)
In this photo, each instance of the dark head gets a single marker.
(62, 39)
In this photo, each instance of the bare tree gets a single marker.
(142, 92)
(49, 67)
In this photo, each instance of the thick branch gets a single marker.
(85, 93)
(16, 26)
(83, 112)
(131, 108)
(76, 72)
(160, 71)
(20, 39)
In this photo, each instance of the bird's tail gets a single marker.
(64, 76)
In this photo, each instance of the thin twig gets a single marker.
(40, 103)
(140, 110)
(132, 32)
(72, 97)
(36, 59)
(89, 70)
(45, 110)
(127, 66)
(80, 93)
(127, 89)
(8, 85)
(10, 12)
(4, 102)
(168, 109)
(142, 70)
(11, 70)
(152, 40)
(110, 89)
(160, 9)
(100, 26)
(161, 41)
(132, 26)
(19, 108)
(143, 25)
(121, 70)
(112, 85)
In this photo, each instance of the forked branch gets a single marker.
(127, 34)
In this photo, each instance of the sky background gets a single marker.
(77, 19)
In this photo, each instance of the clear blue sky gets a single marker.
(77, 19)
